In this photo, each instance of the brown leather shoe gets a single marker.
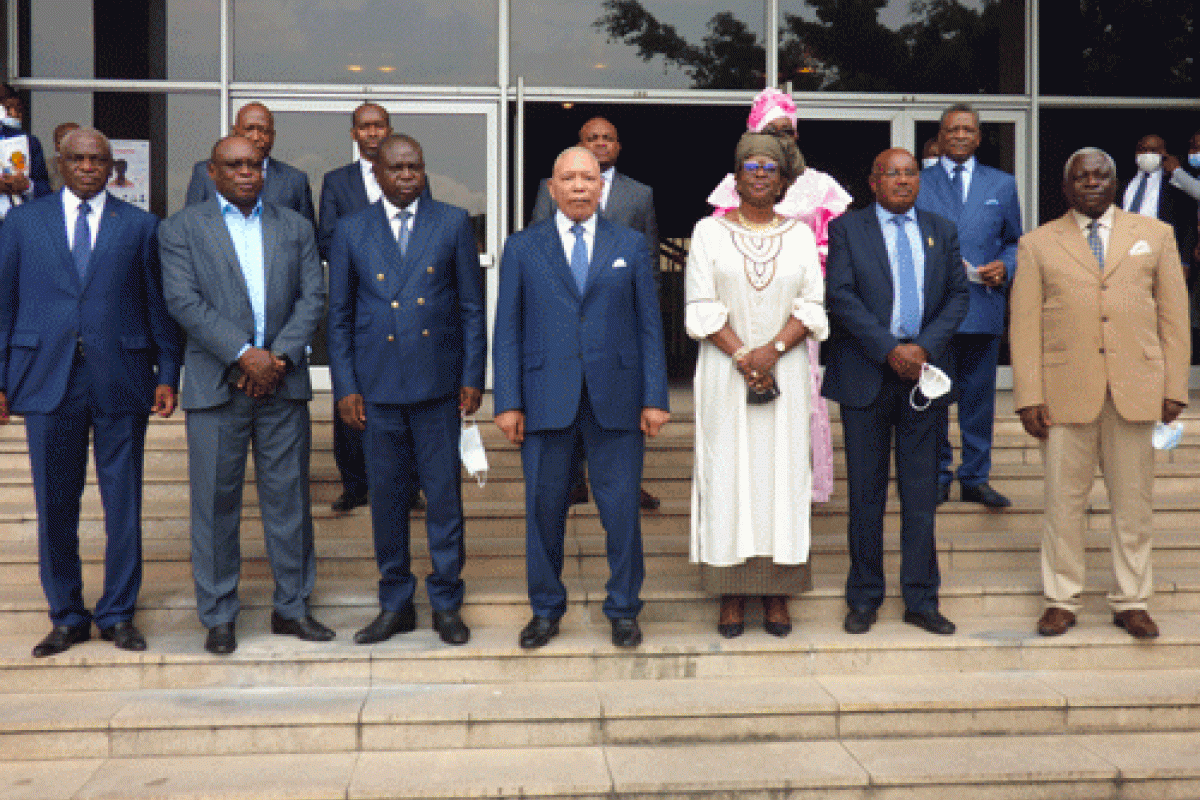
(1055, 621)
(1137, 622)
(732, 622)
(776, 620)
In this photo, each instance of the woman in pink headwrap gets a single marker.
(814, 198)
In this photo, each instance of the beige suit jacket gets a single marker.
(1077, 333)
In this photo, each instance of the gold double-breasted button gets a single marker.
(429, 270)
(425, 332)
(391, 338)
(420, 301)
(395, 304)
(379, 277)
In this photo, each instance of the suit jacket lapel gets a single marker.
(948, 199)
(1120, 240)
(555, 257)
(874, 235)
(110, 223)
(616, 198)
(602, 250)
(1074, 242)
(219, 233)
(423, 225)
(270, 230)
(933, 280)
(357, 187)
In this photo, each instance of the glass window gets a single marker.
(642, 44)
(451, 42)
(61, 40)
(928, 46)
(193, 40)
(998, 147)
(1124, 48)
(193, 127)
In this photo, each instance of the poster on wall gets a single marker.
(130, 179)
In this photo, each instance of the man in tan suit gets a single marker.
(1100, 351)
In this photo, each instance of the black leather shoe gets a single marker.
(932, 621)
(626, 632)
(538, 632)
(943, 493)
(61, 637)
(307, 628)
(221, 639)
(387, 625)
(985, 494)
(124, 635)
(347, 502)
(647, 501)
(859, 620)
(450, 627)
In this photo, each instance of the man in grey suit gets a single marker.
(243, 279)
(625, 202)
(283, 184)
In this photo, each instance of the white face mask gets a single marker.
(1166, 437)
(470, 450)
(933, 383)
(11, 122)
(929, 162)
(1194, 159)
(1148, 162)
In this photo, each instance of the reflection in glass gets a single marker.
(193, 40)
(644, 44)
(61, 40)
(998, 147)
(449, 42)
(1119, 48)
(929, 46)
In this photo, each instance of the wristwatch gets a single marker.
(780, 347)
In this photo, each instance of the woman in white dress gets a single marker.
(754, 297)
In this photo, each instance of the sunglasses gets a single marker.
(770, 168)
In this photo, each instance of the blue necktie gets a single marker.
(1093, 239)
(1139, 194)
(579, 259)
(402, 237)
(908, 298)
(957, 182)
(81, 248)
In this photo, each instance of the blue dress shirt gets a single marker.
(913, 231)
(247, 235)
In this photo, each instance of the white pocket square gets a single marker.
(619, 263)
(992, 202)
(1140, 248)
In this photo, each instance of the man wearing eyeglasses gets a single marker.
(896, 292)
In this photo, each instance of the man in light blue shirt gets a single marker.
(244, 280)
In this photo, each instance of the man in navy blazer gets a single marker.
(896, 292)
(578, 352)
(624, 201)
(407, 350)
(86, 343)
(982, 203)
(343, 191)
(283, 184)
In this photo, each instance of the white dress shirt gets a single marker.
(1105, 227)
(393, 215)
(968, 169)
(1150, 199)
(369, 182)
(565, 224)
(607, 175)
(71, 203)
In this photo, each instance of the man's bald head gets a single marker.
(255, 122)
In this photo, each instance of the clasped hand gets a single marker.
(262, 372)
(755, 367)
(906, 360)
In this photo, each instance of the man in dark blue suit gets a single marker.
(578, 352)
(407, 350)
(343, 191)
(86, 343)
(982, 203)
(283, 184)
(896, 293)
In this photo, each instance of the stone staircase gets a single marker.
(992, 712)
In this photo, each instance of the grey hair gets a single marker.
(70, 136)
(1088, 151)
(959, 108)
(575, 148)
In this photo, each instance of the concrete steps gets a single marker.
(992, 712)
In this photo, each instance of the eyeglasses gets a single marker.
(770, 168)
(896, 173)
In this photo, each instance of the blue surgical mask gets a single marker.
(1194, 160)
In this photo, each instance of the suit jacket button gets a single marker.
(420, 301)
(395, 304)
(425, 332)
(379, 277)
(391, 338)
(430, 270)
(1101, 349)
